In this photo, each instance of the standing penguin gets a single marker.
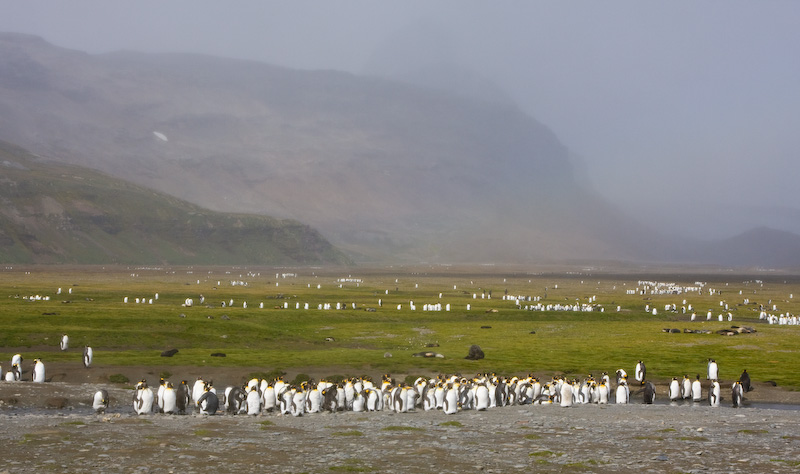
(169, 399)
(566, 394)
(737, 394)
(697, 389)
(197, 390)
(100, 401)
(64, 344)
(686, 387)
(88, 354)
(674, 390)
(481, 397)
(649, 393)
(714, 394)
(38, 371)
(640, 372)
(143, 399)
(450, 403)
(745, 379)
(622, 394)
(253, 402)
(373, 399)
(713, 370)
(182, 397)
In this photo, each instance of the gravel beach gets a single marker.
(50, 427)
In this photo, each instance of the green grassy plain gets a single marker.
(355, 341)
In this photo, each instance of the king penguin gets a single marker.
(674, 390)
(64, 344)
(713, 370)
(208, 401)
(38, 371)
(697, 389)
(169, 399)
(88, 354)
(745, 379)
(640, 372)
(714, 394)
(737, 394)
(649, 393)
(100, 401)
(253, 402)
(182, 397)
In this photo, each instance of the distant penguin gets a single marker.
(253, 402)
(714, 398)
(88, 354)
(697, 389)
(737, 394)
(17, 359)
(649, 393)
(100, 401)
(745, 379)
(713, 370)
(674, 390)
(640, 372)
(208, 401)
(64, 342)
(38, 371)
(169, 399)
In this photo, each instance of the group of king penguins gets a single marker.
(448, 393)
(14, 374)
(688, 389)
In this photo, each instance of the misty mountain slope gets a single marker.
(57, 213)
(386, 171)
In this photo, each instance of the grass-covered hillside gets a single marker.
(56, 213)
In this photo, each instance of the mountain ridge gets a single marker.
(386, 171)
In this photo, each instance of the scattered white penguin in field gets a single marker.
(64, 344)
(713, 370)
(88, 355)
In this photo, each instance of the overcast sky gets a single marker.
(685, 112)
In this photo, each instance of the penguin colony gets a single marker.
(448, 393)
